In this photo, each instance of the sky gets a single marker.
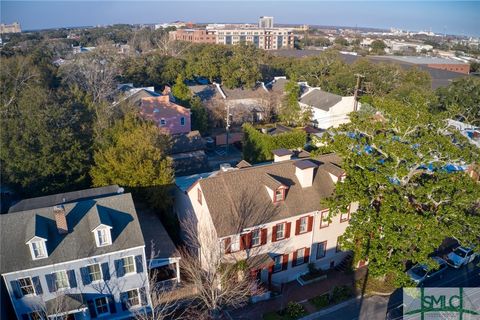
(451, 17)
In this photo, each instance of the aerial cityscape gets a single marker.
(239, 160)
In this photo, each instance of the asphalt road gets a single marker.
(376, 307)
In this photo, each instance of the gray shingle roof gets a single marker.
(52, 200)
(320, 99)
(64, 303)
(282, 152)
(305, 164)
(79, 242)
(235, 193)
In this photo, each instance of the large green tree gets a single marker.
(406, 171)
(132, 155)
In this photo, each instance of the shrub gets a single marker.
(321, 301)
(295, 310)
(341, 293)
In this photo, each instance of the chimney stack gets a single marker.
(281, 155)
(304, 170)
(60, 219)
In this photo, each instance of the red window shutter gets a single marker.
(263, 236)
(227, 242)
(306, 257)
(243, 242)
(274, 233)
(285, 262)
(249, 240)
(310, 223)
(294, 259)
(297, 227)
(287, 232)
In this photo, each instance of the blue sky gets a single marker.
(454, 17)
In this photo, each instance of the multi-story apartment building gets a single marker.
(265, 22)
(264, 38)
(272, 212)
(194, 35)
(267, 39)
(77, 255)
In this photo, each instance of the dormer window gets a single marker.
(103, 237)
(38, 249)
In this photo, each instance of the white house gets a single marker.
(270, 212)
(328, 109)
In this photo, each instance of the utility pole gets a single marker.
(357, 87)
(227, 129)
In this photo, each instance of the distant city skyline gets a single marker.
(451, 17)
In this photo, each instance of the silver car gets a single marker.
(461, 256)
(420, 272)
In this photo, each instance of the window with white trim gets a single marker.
(129, 265)
(94, 272)
(38, 249)
(101, 306)
(103, 236)
(324, 219)
(26, 286)
(182, 121)
(256, 238)
(303, 226)
(280, 231)
(321, 249)
(277, 263)
(300, 256)
(61, 280)
(163, 122)
(132, 298)
(278, 195)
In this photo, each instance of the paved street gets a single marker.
(375, 308)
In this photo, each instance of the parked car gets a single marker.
(461, 256)
(420, 272)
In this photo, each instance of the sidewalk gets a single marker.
(293, 291)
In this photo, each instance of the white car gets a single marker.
(460, 256)
(420, 272)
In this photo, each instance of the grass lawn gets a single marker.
(375, 285)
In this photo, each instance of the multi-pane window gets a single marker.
(101, 305)
(38, 249)
(280, 231)
(94, 272)
(103, 237)
(324, 219)
(133, 298)
(300, 256)
(278, 195)
(256, 238)
(182, 121)
(26, 286)
(344, 217)
(129, 265)
(321, 249)
(163, 122)
(303, 226)
(277, 263)
(61, 280)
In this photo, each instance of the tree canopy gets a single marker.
(406, 170)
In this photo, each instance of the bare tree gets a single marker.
(170, 47)
(271, 102)
(222, 280)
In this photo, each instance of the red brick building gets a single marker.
(194, 35)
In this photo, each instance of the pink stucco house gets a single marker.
(170, 117)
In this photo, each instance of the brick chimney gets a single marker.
(60, 219)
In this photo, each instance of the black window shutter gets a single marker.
(143, 296)
(123, 300)
(37, 285)
(105, 271)
(17, 292)
(91, 308)
(72, 279)
(119, 268)
(111, 304)
(85, 276)
(139, 263)
(51, 282)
